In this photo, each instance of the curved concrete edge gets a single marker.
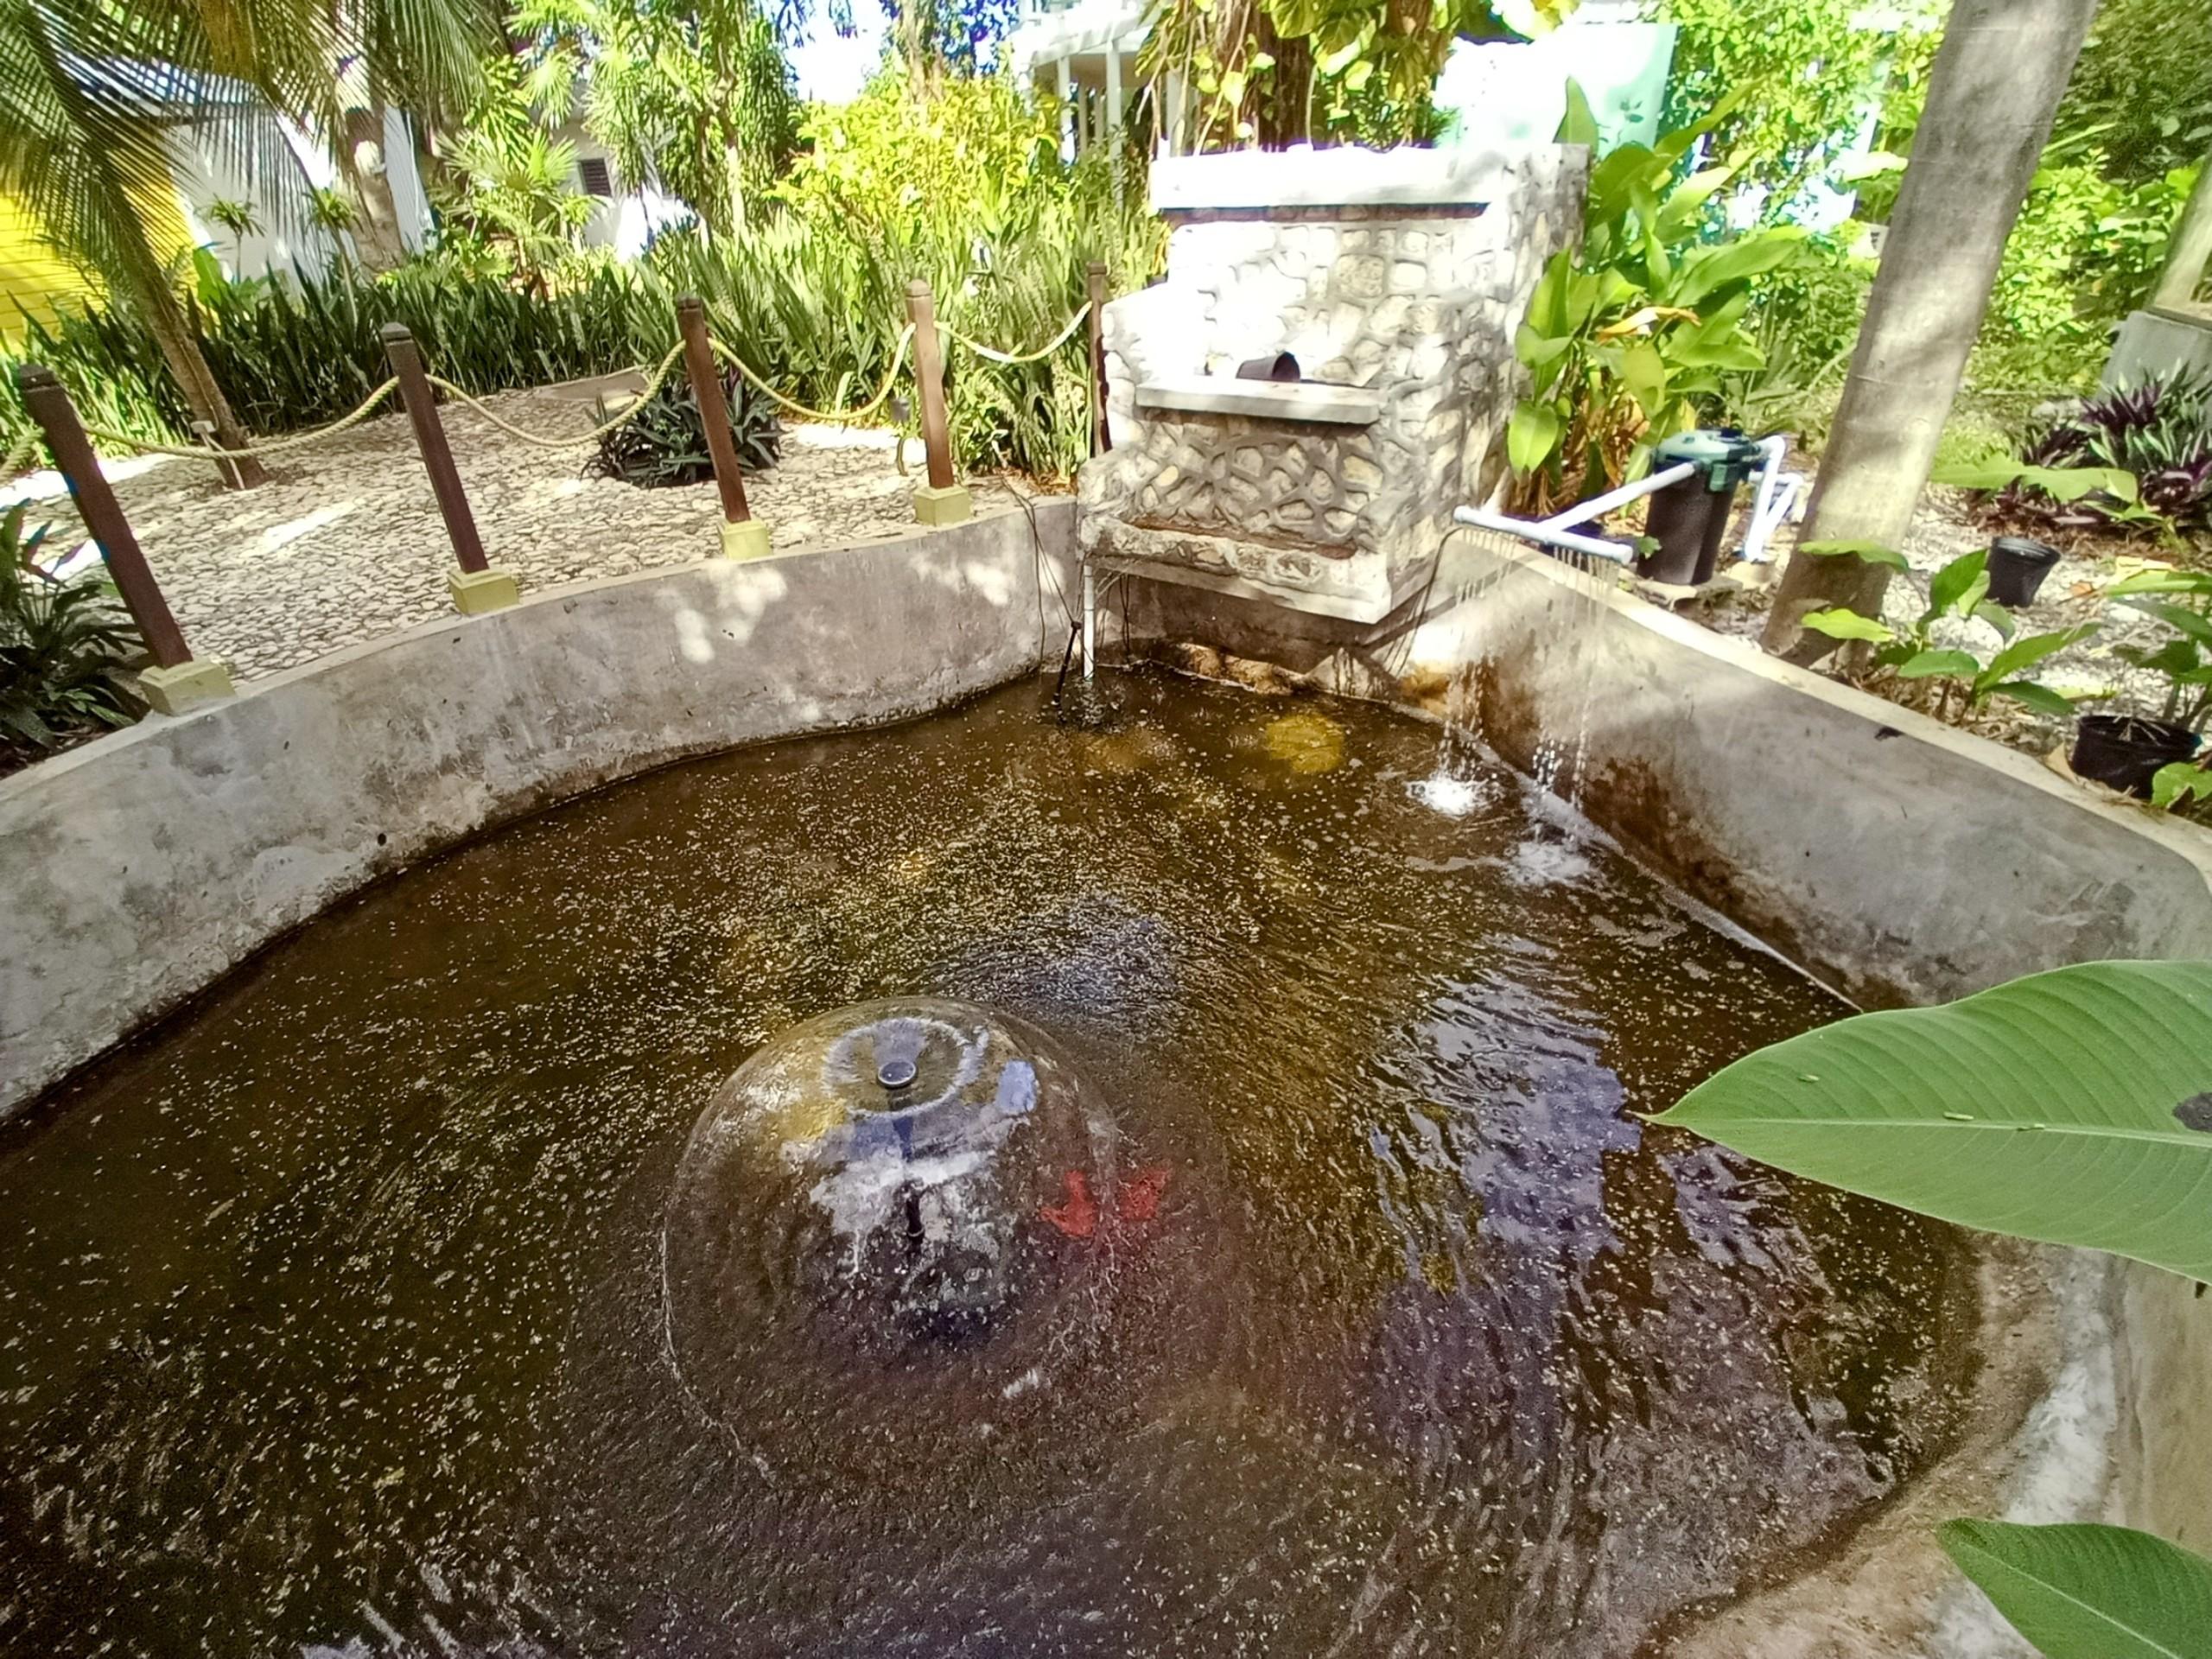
(2162, 1351)
(1896, 859)
(143, 867)
(1900, 860)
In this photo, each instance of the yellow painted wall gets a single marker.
(33, 277)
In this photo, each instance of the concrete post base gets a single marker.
(173, 691)
(748, 540)
(950, 505)
(476, 592)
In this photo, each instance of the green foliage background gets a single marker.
(969, 193)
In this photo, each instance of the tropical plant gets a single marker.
(2070, 1107)
(240, 219)
(665, 442)
(2159, 432)
(2143, 87)
(943, 40)
(1959, 591)
(970, 193)
(2087, 1591)
(333, 213)
(66, 646)
(1286, 71)
(2182, 599)
(693, 93)
(1625, 336)
(1804, 322)
(2073, 1107)
(92, 96)
(509, 187)
(2072, 494)
(1802, 77)
(1956, 202)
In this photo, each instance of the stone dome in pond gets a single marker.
(888, 1200)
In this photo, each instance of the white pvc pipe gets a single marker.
(1777, 494)
(1583, 512)
(1089, 619)
(1545, 533)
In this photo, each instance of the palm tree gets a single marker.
(91, 96)
(423, 55)
(332, 212)
(240, 219)
(693, 94)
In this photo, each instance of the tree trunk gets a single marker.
(361, 164)
(156, 305)
(1992, 95)
(2190, 251)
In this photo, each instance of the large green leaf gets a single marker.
(1699, 352)
(1928, 664)
(1643, 371)
(1959, 585)
(2083, 1592)
(1578, 126)
(2026, 653)
(2041, 698)
(1734, 262)
(2060, 483)
(2073, 1106)
(1842, 624)
(1531, 435)
(2179, 617)
(2156, 578)
(1872, 552)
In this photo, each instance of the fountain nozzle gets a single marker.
(895, 1074)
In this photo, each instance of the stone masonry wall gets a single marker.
(1417, 303)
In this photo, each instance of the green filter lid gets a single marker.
(1726, 454)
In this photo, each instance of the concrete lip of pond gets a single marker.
(149, 864)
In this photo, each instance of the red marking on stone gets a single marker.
(1140, 1199)
(1078, 1217)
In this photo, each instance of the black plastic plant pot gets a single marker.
(2124, 752)
(2016, 568)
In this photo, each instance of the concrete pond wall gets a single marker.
(144, 866)
(1897, 860)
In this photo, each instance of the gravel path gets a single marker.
(344, 544)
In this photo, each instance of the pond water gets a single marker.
(347, 1315)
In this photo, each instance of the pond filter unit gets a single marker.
(1688, 517)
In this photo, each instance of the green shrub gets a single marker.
(65, 647)
(970, 193)
(1804, 321)
(1627, 338)
(666, 442)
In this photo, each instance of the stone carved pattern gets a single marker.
(1420, 305)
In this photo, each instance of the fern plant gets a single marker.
(66, 647)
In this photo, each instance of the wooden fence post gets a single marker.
(178, 679)
(744, 536)
(940, 501)
(477, 586)
(1101, 439)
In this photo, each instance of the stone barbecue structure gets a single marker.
(1395, 278)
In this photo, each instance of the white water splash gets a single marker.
(1453, 796)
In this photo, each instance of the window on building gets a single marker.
(592, 173)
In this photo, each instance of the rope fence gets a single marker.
(852, 416)
(476, 586)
